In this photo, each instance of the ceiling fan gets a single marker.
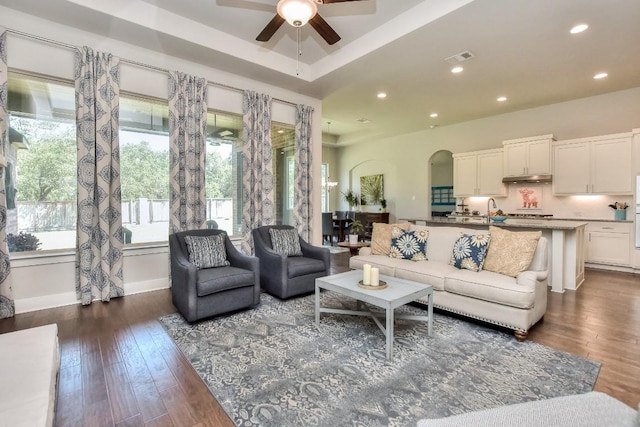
(298, 13)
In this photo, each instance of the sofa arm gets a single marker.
(317, 252)
(364, 251)
(530, 277)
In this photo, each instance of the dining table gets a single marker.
(342, 223)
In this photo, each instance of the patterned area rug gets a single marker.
(271, 366)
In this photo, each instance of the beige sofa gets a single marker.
(513, 302)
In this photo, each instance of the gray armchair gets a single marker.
(286, 276)
(212, 291)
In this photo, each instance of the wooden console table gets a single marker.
(355, 247)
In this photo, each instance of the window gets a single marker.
(41, 164)
(223, 183)
(144, 169)
(283, 142)
(324, 177)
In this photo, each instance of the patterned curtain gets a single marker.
(99, 224)
(302, 208)
(7, 308)
(257, 167)
(187, 139)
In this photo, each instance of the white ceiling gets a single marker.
(523, 51)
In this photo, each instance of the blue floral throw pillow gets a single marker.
(409, 244)
(470, 250)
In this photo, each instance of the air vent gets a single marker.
(460, 57)
(363, 120)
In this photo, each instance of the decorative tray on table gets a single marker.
(382, 285)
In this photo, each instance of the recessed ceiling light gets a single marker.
(433, 115)
(456, 70)
(501, 98)
(382, 95)
(579, 28)
(280, 130)
(600, 76)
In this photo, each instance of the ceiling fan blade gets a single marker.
(324, 29)
(333, 1)
(270, 29)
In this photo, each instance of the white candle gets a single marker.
(375, 277)
(366, 274)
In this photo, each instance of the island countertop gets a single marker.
(548, 224)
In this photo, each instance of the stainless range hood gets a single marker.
(527, 179)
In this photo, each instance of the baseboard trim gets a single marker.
(26, 305)
(146, 286)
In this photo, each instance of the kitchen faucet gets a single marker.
(488, 208)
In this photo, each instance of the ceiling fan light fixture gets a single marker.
(297, 12)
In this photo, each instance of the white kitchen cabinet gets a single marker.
(609, 243)
(598, 165)
(528, 156)
(478, 173)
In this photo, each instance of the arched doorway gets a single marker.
(442, 201)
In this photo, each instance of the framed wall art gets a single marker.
(371, 189)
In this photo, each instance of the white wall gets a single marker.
(407, 156)
(48, 280)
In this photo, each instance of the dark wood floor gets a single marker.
(119, 367)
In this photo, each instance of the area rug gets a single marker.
(271, 366)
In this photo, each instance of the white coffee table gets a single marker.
(398, 292)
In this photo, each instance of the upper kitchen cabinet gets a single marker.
(527, 156)
(594, 165)
(478, 173)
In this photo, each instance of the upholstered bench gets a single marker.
(592, 409)
(29, 365)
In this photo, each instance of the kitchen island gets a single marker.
(566, 257)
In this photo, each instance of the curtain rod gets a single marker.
(128, 61)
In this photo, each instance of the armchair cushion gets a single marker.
(300, 266)
(207, 251)
(285, 241)
(212, 280)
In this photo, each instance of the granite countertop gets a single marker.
(509, 223)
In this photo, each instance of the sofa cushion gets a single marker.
(410, 245)
(285, 241)
(386, 265)
(441, 240)
(490, 286)
(212, 280)
(430, 273)
(510, 252)
(207, 251)
(381, 237)
(469, 251)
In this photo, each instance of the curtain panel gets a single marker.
(7, 306)
(99, 223)
(187, 154)
(257, 166)
(303, 206)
